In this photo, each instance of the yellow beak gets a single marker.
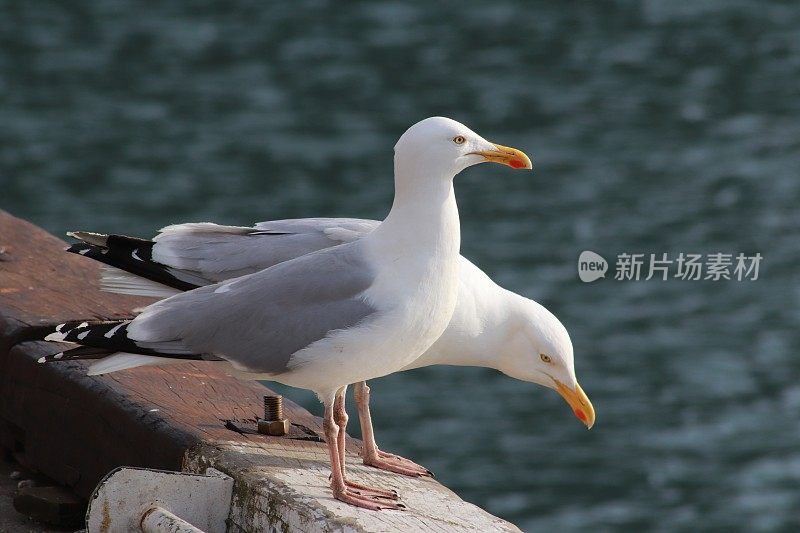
(506, 156)
(578, 401)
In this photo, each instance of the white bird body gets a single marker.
(416, 289)
(478, 327)
(479, 330)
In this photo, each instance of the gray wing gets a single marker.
(258, 321)
(215, 253)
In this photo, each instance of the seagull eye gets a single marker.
(459, 139)
(546, 358)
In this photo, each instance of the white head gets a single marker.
(443, 147)
(538, 349)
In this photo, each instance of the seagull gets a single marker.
(491, 327)
(330, 318)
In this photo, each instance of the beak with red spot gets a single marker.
(578, 401)
(506, 156)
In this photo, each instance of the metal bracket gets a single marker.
(142, 499)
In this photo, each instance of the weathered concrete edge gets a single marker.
(264, 501)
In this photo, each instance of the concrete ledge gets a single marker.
(285, 488)
(75, 429)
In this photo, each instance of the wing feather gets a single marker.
(258, 321)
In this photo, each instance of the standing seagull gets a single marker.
(491, 327)
(337, 316)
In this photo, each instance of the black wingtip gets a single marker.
(81, 248)
(132, 255)
(77, 354)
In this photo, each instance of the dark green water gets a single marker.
(654, 127)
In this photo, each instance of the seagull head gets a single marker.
(442, 146)
(538, 350)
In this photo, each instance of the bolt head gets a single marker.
(276, 428)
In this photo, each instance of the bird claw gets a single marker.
(397, 464)
(365, 502)
(371, 492)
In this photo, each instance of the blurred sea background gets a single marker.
(655, 127)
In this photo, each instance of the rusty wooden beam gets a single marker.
(76, 428)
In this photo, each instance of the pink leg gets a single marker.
(341, 418)
(372, 455)
(340, 490)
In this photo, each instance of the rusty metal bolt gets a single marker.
(273, 407)
(273, 422)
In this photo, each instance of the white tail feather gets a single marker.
(123, 361)
(120, 282)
